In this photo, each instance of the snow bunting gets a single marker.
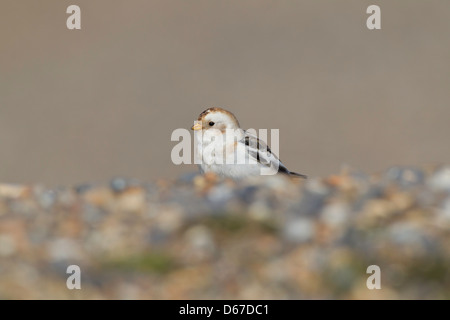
(225, 149)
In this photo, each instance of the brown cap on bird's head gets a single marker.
(212, 116)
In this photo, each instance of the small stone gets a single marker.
(127, 291)
(7, 245)
(405, 176)
(82, 188)
(300, 230)
(3, 208)
(211, 177)
(199, 182)
(314, 195)
(169, 219)
(259, 211)
(47, 198)
(12, 190)
(446, 207)
(188, 177)
(219, 195)
(118, 185)
(99, 196)
(201, 242)
(64, 249)
(66, 197)
(411, 238)
(92, 214)
(335, 214)
(156, 236)
(443, 214)
(132, 200)
(276, 182)
(440, 180)
(402, 200)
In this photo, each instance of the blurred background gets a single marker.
(91, 104)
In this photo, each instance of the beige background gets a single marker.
(88, 105)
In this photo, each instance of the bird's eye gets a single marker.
(211, 123)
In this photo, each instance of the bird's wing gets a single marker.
(258, 149)
(261, 153)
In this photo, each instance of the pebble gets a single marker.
(313, 198)
(446, 208)
(132, 200)
(260, 211)
(7, 245)
(12, 190)
(64, 249)
(200, 241)
(169, 219)
(440, 180)
(219, 196)
(405, 176)
(118, 184)
(411, 238)
(82, 188)
(299, 230)
(47, 198)
(336, 215)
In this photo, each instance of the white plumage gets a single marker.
(229, 151)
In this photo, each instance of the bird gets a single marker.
(228, 151)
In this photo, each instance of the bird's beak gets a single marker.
(197, 126)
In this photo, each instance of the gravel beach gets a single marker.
(199, 237)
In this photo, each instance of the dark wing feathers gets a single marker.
(260, 151)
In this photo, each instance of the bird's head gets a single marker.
(216, 118)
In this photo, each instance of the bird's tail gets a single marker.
(295, 174)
